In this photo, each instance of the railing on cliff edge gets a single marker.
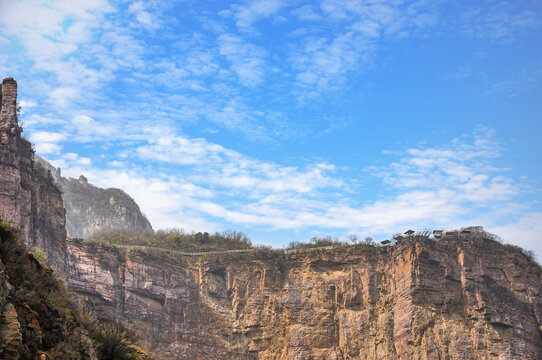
(218, 252)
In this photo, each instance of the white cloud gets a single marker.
(27, 103)
(73, 48)
(247, 60)
(525, 232)
(255, 10)
(199, 185)
(500, 21)
(347, 37)
(47, 142)
(226, 168)
(47, 148)
(76, 160)
(306, 13)
(63, 96)
(166, 201)
(44, 136)
(80, 53)
(37, 121)
(143, 16)
(322, 63)
(439, 186)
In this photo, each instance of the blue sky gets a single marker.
(291, 119)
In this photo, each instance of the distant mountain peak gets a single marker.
(90, 209)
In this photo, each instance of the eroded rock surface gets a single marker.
(460, 298)
(29, 199)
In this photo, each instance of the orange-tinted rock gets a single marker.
(452, 299)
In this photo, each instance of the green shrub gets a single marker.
(112, 343)
(316, 242)
(39, 255)
(175, 239)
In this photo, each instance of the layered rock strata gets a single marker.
(459, 298)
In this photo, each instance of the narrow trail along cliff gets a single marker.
(465, 297)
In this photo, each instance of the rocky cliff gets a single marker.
(37, 315)
(39, 319)
(29, 199)
(90, 208)
(464, 297)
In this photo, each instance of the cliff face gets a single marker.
(90, 208)
(460, 298)
(16, 162)
(29, 199)
(463, 297)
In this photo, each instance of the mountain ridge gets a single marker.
(91, 209)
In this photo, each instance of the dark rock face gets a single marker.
(29, 198)
(90, 208)
(459, 298)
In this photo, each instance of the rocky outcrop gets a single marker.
(465, 297)
(90, 209)
(37, 315)
(11, 339)
(16, 163)
(10, 334)
(29, 199)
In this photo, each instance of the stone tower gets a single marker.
(16, 163)
(8, 95)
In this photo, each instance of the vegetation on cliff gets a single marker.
(175, 239)
(46, 320)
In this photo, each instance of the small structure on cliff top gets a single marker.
(440, 234)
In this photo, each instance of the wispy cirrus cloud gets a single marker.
(246, 14)
(247, 60)
(465, 170)
(215, 165)
(348, 43)
(317, 48)
(143, 16)
(499, 21)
